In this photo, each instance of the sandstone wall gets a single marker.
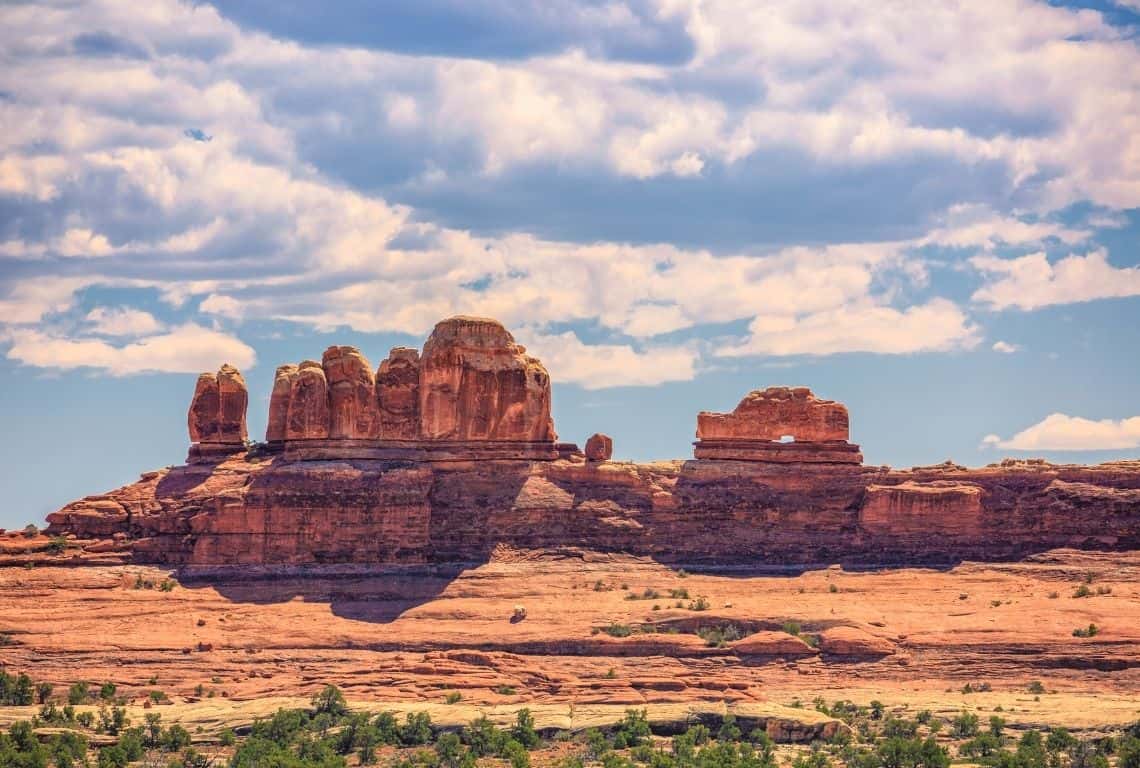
(699, 512)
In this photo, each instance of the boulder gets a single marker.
(398, 395)
(599, 447)
(777, 412)
(854, 643)
(276, 427)
(217, 410)
(308, 404)
(476, 383)
(352, 400)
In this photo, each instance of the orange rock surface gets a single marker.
(777, 412)
(217, 410)
(476, 383)
(908, 637)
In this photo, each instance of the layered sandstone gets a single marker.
(447, 456)
(216, 419)
(599, 447)
(775, 413)
(476, 383)
(398, 394)
(787, 425)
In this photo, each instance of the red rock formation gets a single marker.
(277, 425)
(599, 447)
(476, 383)
(353, 411)
(776, 412)
(217, 410)
(308, 404)
(817, 430)
(398, 394)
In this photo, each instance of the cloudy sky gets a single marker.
(929, 212)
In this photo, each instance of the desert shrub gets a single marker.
(175, 738)
(107, 691)
(329, 701)
(57, 545)
(618, 630)
(16, 690)
(416, 729)
(505, 690)
(700, 604)
(1091, 631)
(965, 725)
(452, 697)
(1036, 686)
(31, 531)
(719, 636)
(1128, 752)
(523, 730)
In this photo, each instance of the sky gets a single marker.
(930, 212)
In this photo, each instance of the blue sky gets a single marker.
(928, 213)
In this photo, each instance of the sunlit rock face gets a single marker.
(775, 413)
(476, 383)
(276, 427)
(308, 404)
(398, 394)
(353, 412)
(217, 409)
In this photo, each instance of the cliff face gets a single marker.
(733, 513)
(446, 456)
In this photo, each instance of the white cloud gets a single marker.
(599, 366)
(29, 300)
(223, 306)
(1030, 282)
(186, 349)
(1005, 347)
(1060, 432)
(937, 326)
(122, 321)
(967, 225)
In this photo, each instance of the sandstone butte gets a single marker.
(382, 534)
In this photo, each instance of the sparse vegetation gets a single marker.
(1090, 631)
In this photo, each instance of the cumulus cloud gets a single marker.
(1005, 347)
(259, 224)
(1032, 281)
(122, 321)
(600, 366)
(188, 348)
(936, 326)
(1061, 432)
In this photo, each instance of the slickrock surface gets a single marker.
(907, 636)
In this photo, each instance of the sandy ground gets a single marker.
(226, 650)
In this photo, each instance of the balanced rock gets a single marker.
(599, 447)
(275, 428)
(398, 394)
(217, 410)
(308, 417)
(777, 412)
(352, 401)
(476, 383)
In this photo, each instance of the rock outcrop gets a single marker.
(353, 412)
(599, 447)
(398, 394)
(782, 424)
(216, 419)
(775, 413)
(448, 456)
(476, 383)
(309, 411)
(278, 423)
